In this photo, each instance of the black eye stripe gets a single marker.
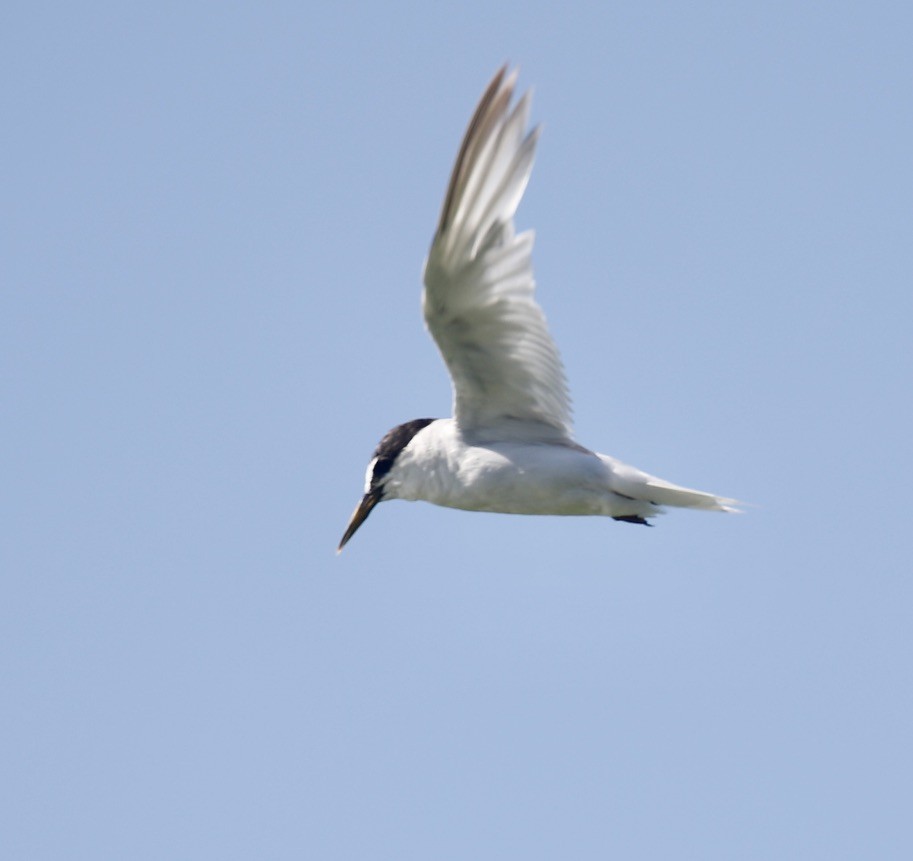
(392, 444)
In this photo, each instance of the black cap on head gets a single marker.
(389, 448)
(385, 455)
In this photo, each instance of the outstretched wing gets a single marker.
(478, 299)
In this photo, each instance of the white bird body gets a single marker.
(526, 477)
(509, 447)
(442, 467)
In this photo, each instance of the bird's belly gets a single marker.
(526, 480)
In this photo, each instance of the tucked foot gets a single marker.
(633, 518)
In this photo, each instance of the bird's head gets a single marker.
(382, 464)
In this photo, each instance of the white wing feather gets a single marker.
(478, 299)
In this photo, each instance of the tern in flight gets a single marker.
(509, 447)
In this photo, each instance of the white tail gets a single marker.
(629, 481)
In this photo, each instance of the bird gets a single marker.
(509, 446)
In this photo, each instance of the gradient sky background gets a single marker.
(214, 217)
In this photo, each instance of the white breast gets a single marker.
(442, 467)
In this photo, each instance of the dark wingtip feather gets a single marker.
(491, 92)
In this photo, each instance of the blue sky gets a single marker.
(213, 222)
